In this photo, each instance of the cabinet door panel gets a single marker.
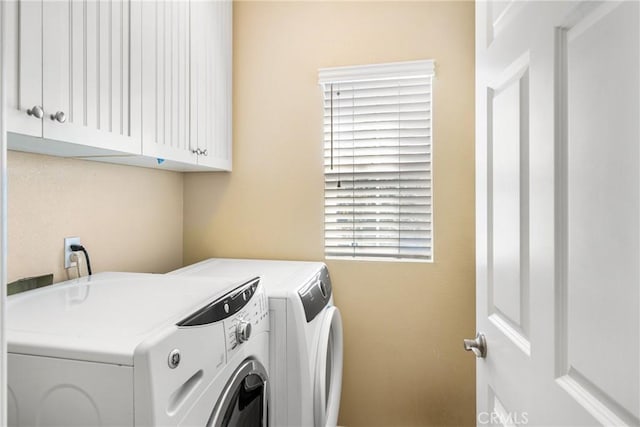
(165, 81)
(211, 41)
(92, 79)
(24, 70)
(86, 63)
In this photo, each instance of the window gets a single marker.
(377, 161)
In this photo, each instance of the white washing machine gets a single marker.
(306, 336)
(143, 350)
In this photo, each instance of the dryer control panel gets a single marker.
(315, 295)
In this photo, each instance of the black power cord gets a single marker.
(76, 248)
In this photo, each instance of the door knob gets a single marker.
(477, 345)
(36, 112)
(60, 117)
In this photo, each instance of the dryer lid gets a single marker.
(281, 279)
(103, 319)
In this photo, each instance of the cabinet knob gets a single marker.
(204, 152)
(60, 117)
(36, 112)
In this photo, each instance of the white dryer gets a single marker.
(306, 336)
(143, 350)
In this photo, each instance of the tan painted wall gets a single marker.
(129, 219)
(404, 322)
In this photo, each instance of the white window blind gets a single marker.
(377, 161)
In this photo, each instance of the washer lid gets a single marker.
(103, 319)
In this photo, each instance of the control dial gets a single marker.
(243, 331)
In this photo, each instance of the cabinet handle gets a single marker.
(36, 112)
(199, 152)
(60, 117)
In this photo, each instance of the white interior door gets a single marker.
(558, 212)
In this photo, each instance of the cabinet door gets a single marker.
(24, 65)
(87, 79)
(165, 81)
(211, 43)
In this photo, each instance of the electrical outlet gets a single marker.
(68, 241)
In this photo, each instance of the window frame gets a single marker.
(381, 72)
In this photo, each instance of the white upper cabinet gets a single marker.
(71, 63)
(186, 83)
(211, 41)
(145, 83)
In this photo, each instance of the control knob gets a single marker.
(243, 331)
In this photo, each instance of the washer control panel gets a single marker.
(251, 320)
(225, 307)
(244, 312)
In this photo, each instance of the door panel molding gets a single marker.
(595, 268)
(508, 201)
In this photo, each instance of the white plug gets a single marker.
(74, 259)
(68, 241)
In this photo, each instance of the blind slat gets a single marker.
(357, 161)
(391, 229)
(398, 93)
(378, 194)
(378, 168)
(371, 117)
(410, 150)
(362, 217)
(401, 126)
(347, 213)
(378, 238)
(355, 135)
(373, 178)
(343, 147)
(358, 112)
